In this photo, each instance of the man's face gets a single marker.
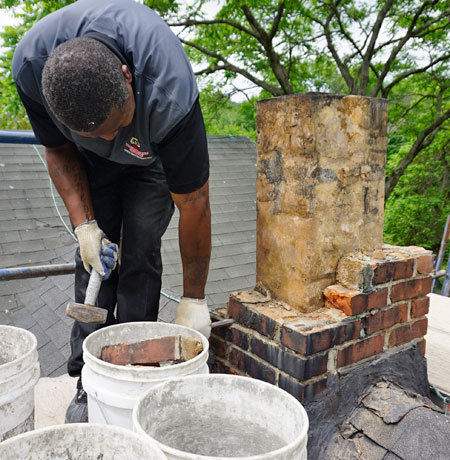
(117, 118)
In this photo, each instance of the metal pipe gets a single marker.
(18, 137)
(35, 271)
(438, 274)
(440, 259)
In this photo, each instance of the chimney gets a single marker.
(334, 310)
(320, 190)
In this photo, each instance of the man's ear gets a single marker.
(127, 74)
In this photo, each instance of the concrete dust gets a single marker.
(217, 437)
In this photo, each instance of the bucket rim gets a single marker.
(272, 455)
(137, 371)
(26, 355)
(85, 427)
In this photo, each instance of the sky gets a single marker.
(210, 7)
(6, 19)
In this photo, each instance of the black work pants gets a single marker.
(135, 199)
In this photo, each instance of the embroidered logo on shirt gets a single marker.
(133, 149)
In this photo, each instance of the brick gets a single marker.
(360, 350)
(420, 307)
(422, 347)
(425, 264)
(246, 315)
(254, 368)
(353, 302)
(297, 366)
(305, 393)
(220, 367)
(410, 289)
(408, 332)
(308, 342)
(389, 271)
(233, 335)
(217, 346)
(386, 318)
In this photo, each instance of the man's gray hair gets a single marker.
(82, 82)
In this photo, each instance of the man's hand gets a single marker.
(194, 313)
(96, 251)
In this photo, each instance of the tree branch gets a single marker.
(194, 22)
(265, 39)
(400, 45)
(345, 72)
(423, 140)
(275, 91)
(387, 89)
(276, 21)
(369, 51)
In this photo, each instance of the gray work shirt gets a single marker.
(163, 82)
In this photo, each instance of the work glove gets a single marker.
(96, 251)
(194, 313)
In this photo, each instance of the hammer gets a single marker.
(87, 313)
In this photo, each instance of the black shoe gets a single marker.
(77, 412)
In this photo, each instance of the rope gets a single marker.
(53, 196)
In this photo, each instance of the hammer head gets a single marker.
(86, 313)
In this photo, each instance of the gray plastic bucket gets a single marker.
(218, 417)
(80, 441)
(113, 390)
(19, 373)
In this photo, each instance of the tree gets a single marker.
(287, 46)
(396, 49)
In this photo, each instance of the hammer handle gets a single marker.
(93, 287)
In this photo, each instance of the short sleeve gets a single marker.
(45, 130)
(184, 153)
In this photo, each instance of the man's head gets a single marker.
(88, 89)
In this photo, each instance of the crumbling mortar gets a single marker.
(314, 379)
(277, 334)
(387, 336)
(389, 287)
(332, 360)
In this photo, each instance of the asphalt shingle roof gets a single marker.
(31, 233)
(393, 424)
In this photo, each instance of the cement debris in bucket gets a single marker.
(218, 417)
(113, 389)
(80, 441)
(153, 352)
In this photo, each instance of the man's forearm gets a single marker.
(195, 240)
(69, 176)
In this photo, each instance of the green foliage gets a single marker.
(273, 47)
(418, 208)
(223, 116)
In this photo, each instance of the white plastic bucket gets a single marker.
(218, 417)
(19, 373)
(80, 441)
(113, 390)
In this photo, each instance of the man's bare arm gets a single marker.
(69, 176)
(195, 239)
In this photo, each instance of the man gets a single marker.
(111, 95)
